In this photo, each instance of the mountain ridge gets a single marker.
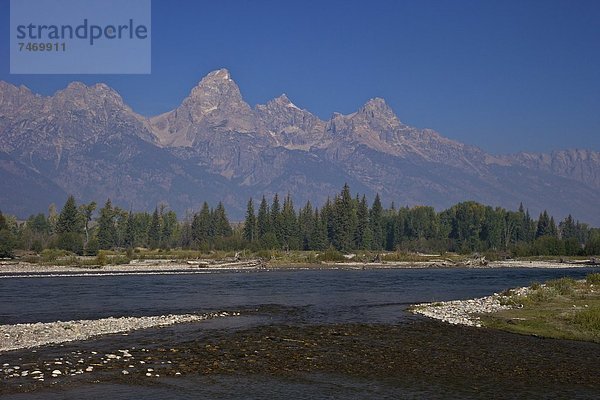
(216, 145)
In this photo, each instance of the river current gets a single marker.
(355, 320)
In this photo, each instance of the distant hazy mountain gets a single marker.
(84, 140)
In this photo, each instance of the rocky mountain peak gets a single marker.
(284, 101)
(80, 96)
(219, 74)
(216, 92)
(377, 109)
(12, 96)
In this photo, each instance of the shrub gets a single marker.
(72, 242)
(588, 319)
(7, 244)
(536, 285)
(331, 255)
(593, 279)
(92, 247)
(563, 286)
(101, 258)
(51, 255)
(543, 294)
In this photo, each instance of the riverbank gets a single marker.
(561, 308)
(166, 266)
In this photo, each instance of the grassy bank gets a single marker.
(561, 308)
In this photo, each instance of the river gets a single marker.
(358, 340)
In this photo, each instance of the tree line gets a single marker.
(344, 223)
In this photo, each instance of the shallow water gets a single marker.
(364, 343)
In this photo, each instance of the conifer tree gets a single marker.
(201, 225)
(318, 236)
(250, 228)
(106, 227)
(169, 228)
(567, 228)
(221, 225)
(263, 220)
(543, 225)
(306, 222)
(276, 222)
(7, 240)
(327, 217)
(289, 225)
(376, 220)
(364, 237)
(552, 229)
(69, 220)
(344, 226)
(154, 230)
(129, 240)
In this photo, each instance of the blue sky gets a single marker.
(506, 76)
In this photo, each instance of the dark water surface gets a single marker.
(302, 334)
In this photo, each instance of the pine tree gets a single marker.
(306, 222)
(250, 228)
(222, 228)
(289, 225)
(263, 220)
(69, 227)
(327, 217)
(69, 220)
(376, 220)
(154, 230)
(318, 236)
(129, 240)
(106, 227)
(552, 229)
(344, 226)
(201, 226)
(567, 228)
(276, 221)
(364, 236)
(169, 228)
(543, 225)
(7, 240)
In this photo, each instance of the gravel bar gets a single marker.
(23, 336)
(466, 312)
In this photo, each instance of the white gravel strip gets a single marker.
(465, 312)
(22, 336)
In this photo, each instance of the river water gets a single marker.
(359, 341)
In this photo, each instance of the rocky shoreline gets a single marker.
(25, 336)
(19, 268)
(466, 312)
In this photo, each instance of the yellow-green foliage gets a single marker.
(593, 279)
(563, 286)
(588, 319)
(51, 255)
(331, 255)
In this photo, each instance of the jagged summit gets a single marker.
(283, 100)
(377, 108)
(75, 85)
(222, 73)
(214, 105)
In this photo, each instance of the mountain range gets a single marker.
(84, 140)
